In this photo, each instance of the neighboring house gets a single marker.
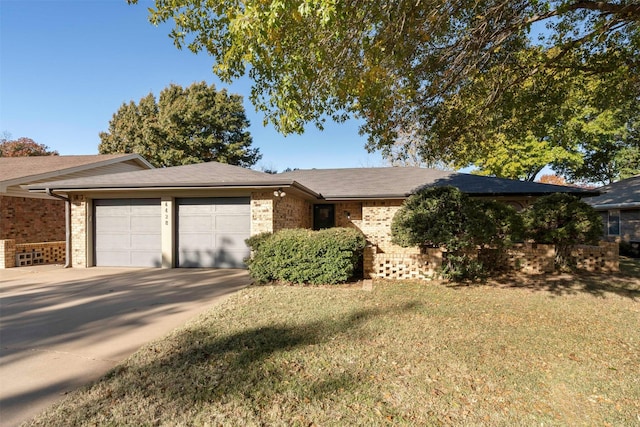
(619, 205)
(199, 215)
(27, 217)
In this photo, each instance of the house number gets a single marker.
(166, 213)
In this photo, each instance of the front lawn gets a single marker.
(520, 353)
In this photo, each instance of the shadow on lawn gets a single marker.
(248, 370)
(626, 283)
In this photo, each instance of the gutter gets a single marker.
(67, 225)
(605, 206)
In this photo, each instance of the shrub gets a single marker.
(562, 220)
(304, 256)
(445, 217)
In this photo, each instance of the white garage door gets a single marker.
(212, 231)
(128, 233)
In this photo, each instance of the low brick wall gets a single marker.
(603, 258)
(527, 258)
(7, 253)
(401, 266)
(23, 254)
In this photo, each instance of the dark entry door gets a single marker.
(323, 216)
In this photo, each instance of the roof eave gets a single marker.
(70, 170)
(43, 188)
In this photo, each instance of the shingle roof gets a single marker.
(13, 168)
(399, 182)
(625, 193)
(331, 184)
(210, 174)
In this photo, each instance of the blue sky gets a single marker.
(66, 66)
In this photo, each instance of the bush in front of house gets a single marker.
(446, 217)
(562, 220)
(305, 256)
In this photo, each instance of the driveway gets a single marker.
(62, 328)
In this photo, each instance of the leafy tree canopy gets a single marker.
(184, 125)
(24, 147)
(461, 78)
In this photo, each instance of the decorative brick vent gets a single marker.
(602, 258)
(527, 258)
(24, 254)
(401, 266)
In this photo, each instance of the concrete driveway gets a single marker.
(62, 328)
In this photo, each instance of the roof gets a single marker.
(399, 182)
(200, 175)
(31, 168)
(621, 194)
(329, 184)
(17, 171)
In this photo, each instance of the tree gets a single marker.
(185, 125)
(24, 147)
(552, 179)
(562, 220)
(609, 147)
(446, 217)
(458, 76)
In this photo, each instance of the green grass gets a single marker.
(507, 353)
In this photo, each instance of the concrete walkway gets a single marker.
(62, 328)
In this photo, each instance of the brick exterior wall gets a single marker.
(28, 220)
(374, 218)
(7, 253)
(79, 207)
(291, 212)
(261, 212)
(270, 213)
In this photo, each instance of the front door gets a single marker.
(323, 216)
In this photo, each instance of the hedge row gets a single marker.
(305, 256)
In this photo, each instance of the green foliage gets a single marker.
(445, 217)
(185, 125)
(304, 256)
(562, 220)
(460, 78)
(608, 143)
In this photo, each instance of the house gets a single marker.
(29, 218)
(199, 215)
(619, 206)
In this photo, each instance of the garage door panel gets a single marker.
(193, 208)
(145, 242)
(112, 241)
(107, 258)
(195, 224)
(212, 231)
(145, 225)
(229, 241)
(195, 242)
(231, 223)
(112, 223)
(227, 206)
(128, 232)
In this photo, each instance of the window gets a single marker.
(323, 216)
(614, 223)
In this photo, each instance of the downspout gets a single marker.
(67, 226)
